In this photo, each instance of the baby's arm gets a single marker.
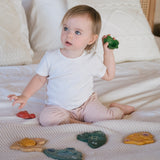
(109, 62)
(34, 85)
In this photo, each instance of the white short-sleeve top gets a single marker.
(70, 80)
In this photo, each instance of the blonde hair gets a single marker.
(92, 13)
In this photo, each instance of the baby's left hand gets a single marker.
(112, 42)
(105, 45)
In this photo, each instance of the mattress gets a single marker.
(136, 84)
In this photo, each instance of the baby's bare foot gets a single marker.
(125, 108)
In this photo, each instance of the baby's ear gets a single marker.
(93, 39)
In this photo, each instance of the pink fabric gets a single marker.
(91, 111)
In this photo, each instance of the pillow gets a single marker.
(26, 5)
(14, 44)
(45, 24)
(124, 19)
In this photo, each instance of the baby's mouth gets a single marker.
(68, 43)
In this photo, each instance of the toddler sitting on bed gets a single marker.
(69, 73)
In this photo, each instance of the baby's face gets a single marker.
(77, 33)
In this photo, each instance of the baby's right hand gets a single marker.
(22, 100)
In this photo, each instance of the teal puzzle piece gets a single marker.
(94, 139)
(63, 154)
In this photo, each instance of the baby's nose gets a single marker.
(70, 34)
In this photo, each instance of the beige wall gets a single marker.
(157, 13)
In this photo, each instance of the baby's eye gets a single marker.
(77, 32)
(65, 28)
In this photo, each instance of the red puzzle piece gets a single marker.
(25, 115)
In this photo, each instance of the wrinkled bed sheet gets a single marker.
(136, 84)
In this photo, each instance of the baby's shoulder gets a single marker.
(51, 56)
(92, 58)
(52, 53)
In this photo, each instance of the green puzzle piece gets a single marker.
(94, 139)
(113, 43)
(63, 154)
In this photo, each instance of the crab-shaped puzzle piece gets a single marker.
(25, 115)
(94, 139)
(63, 154)
(139, 138)
(29, 145)
(113, 43)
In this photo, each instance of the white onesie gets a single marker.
(70, 80)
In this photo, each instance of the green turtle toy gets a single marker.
(113, 43)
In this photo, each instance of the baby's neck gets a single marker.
(71, 54)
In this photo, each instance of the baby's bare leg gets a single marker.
(125, 108)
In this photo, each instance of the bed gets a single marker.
(31, 31)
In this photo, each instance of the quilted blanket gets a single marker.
(136, 84)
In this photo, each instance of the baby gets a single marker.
(69, 73)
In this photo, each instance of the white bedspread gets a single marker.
(136, 84)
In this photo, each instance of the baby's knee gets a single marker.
(45, 120)
(53, 116)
